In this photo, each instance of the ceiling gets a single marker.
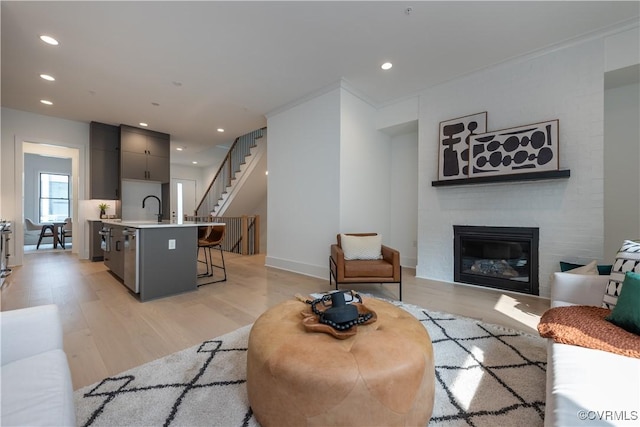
(188, 68)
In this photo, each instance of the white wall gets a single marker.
(303, 156)
(19, 127)
(622, 49)
(621, 160)
(565, 84)
(364, 169)
(400, 121)
(398, 114)
(403, 222)
(133, 192)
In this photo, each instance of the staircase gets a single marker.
(240, 180)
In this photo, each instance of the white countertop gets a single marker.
(155, 224)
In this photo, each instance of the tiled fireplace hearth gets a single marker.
(497, 257)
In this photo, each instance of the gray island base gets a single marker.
(159, 259)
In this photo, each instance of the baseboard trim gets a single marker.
(298, 267)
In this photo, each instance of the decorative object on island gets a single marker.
(522, 149)
(453, 144)
(103, 209)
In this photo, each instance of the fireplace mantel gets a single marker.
(530, 176)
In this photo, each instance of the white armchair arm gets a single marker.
(581, 289)
(29, 331)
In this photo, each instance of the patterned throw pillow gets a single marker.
(361, 247)
(627, 259)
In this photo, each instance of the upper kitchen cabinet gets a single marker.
(144, 154)
(104, 141)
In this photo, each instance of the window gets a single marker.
(54, 197)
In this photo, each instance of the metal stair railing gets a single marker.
(222, 180)
(242, 234)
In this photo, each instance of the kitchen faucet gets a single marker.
(159, 206)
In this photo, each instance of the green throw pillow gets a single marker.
(626, 313)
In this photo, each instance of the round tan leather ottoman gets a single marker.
(382, 376)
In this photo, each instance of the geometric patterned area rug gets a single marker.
(486, 375)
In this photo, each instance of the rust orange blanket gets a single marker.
(585, 326)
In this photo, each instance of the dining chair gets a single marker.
(31, 226)
(47, 230)
(66, 231)
(31, 231)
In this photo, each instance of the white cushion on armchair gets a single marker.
(36, 382)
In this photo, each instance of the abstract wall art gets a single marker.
(530, 148)
(453, 144)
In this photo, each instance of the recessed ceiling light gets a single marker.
(45, 102)
(143, 124)
(386, 66)
(220, 130)
(195, 163)
(179, 148)
(47, 77)
(49, 40)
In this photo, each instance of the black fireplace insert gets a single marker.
(497, 257)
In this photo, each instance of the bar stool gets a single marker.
(208, 238)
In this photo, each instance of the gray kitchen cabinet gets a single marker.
(133, 140)
(165, 271)
(158, 145)
(114, 259)
(104, 158)
(134, 165)
(144, 154)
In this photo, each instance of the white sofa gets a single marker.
(587, 387)
(36, 381)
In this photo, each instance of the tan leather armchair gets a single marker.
(385, 270)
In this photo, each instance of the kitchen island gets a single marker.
(153, 259)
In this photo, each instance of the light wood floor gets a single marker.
(106, 330)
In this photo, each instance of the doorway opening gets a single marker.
(47, 203)
(47, 189)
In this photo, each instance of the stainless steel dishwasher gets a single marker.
(131, 259)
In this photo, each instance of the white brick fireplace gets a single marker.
(566, 84)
